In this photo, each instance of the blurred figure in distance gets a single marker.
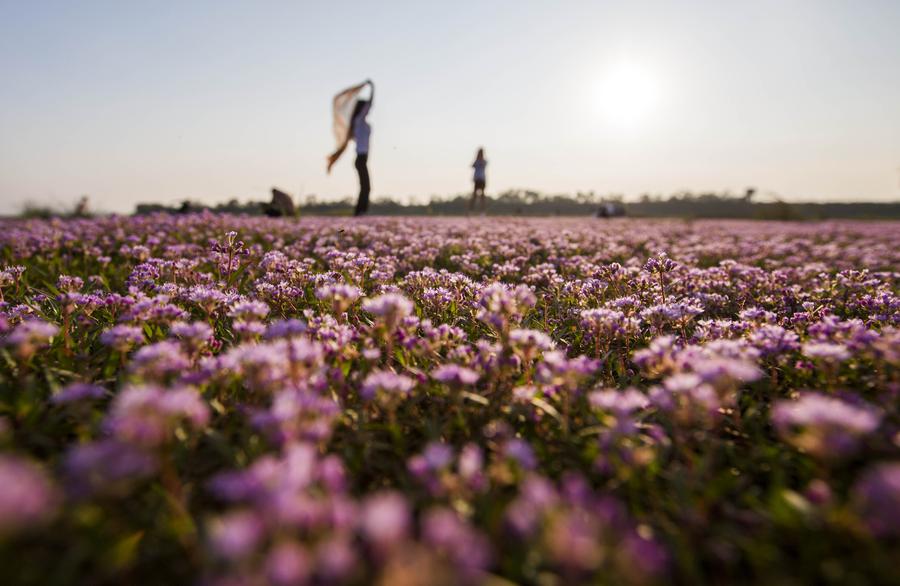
(480, 179)
(350, 112)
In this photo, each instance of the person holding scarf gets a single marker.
(350, 112)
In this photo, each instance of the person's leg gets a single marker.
(362, 204)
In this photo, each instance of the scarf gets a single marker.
(342, 109)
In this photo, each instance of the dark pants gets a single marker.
(362, 204)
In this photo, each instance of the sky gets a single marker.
(210, 100)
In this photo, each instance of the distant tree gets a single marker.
(526, 202)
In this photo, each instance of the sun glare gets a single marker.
(627, 95)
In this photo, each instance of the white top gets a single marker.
(480, 169)
(361, 133)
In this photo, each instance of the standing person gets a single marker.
(350, 113)
(480, 178)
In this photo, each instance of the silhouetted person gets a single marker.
(81, 209)
(480, 179)
(610, 209)
(281, 205)
(354, 127)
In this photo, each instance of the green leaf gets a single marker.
(124, 552)
(475, 398)
(546, 408)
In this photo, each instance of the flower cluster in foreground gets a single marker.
(232, 400)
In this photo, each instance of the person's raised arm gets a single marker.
(372, 97)
(356, 87)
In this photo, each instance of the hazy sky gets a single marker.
(161, 101)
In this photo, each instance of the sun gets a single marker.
(627, 95)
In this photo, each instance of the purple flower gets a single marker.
(123, 337)
(249, 329)
(332, 475)
(757, 314)
(147, 415)
(336, 559)
(527, 341)
(30, 336)
(471, 466)
(285, 329)
(248, 310)
(608, 324)
(642, 558)
(524, 393)
(158, 361)
(196, 332)
(438, 455)
(27, 498)
(520, 452)
(465, 547)
(268, 478)
(655, 356)
(386, 381)
(818, 492)
(660, 264)
(676, 313)
(386, 519)
(341, 296)
(105, 467)
(772, 340)
(77, 392)
(619, 402)
(430, 466)
(69, 283)
(236, 535)
(288, 564)
(825, 427)
(558, 370)
(454, 374)
(725, 373)
(876, 496)
(536, 495)
(390, 308)
(826, 352)
(208, 299)
(500, 305)
(690, 400)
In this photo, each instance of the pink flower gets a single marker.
(453, 374)
(386, 519)
(148, 415)
(30, 336)
(386, 381)
(27, 497)
(236, 534)
(390, 308)
(826, 352)
(824, 426)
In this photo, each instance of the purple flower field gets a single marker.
(233, 400)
